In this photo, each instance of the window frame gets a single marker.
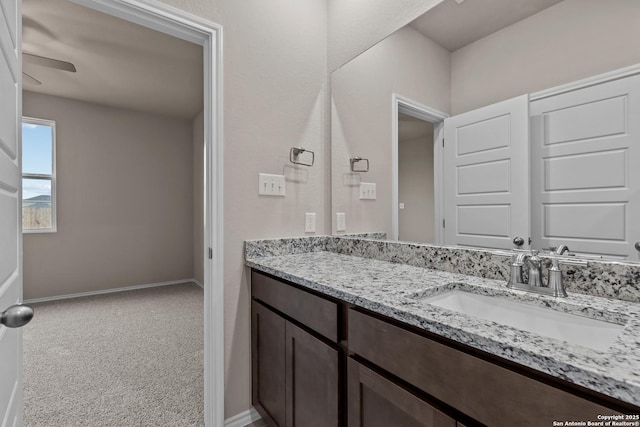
(52, 177)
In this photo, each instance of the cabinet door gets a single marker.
(268, 363)
(487, 392)
(374, 401)
(312, 380)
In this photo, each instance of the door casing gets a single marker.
(402, 104)
(183, 25)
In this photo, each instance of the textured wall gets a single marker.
(415, 189)
(408, 64)
(124, 200)
(566, 42)
(356, 25)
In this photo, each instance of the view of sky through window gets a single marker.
(37, 158)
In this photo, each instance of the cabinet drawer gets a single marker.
(315, 312)
(484, 391)
(374, 401)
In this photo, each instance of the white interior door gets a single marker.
(10, 184)
(585, 148)
(486, 174)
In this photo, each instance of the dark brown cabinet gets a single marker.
(395, 375)
(268, 363)
(312, 380)
(296, 375)
(488, 393)
(374, 401)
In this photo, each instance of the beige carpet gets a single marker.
(123, 359)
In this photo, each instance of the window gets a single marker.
(38, 175)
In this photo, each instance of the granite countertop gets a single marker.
(398, 291)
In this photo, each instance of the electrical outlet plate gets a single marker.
(367, 191)
(310, 222)
(271, 185)
(341, 223)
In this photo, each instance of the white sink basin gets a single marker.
(594, 334)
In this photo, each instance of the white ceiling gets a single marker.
(118, 63)
(454, 25)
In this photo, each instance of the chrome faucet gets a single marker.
(556, 286)
(535, 269)
(535, 283)
(560, 249)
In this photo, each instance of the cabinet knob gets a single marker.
(519, 241)
(637, 246)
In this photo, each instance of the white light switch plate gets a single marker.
(309, 222)
(341, 223)
(367, 191)
(271, 185)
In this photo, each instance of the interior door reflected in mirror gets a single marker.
(571, 180)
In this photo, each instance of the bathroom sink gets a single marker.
(595, 334)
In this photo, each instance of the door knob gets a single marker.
(16, 316)
(518, 241)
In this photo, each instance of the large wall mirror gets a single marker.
(519, 160)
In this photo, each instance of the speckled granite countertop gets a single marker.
(398, 291)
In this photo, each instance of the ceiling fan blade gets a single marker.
(30, 79)
(48, 62)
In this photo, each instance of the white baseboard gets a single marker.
(243, 418)
(197, 282)
(108, 291)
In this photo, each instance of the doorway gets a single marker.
(187, 27)
(416, 169)
(415, 180)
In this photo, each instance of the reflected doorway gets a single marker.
(416, 207)
(417, 142)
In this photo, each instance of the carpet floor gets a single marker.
(130, 358)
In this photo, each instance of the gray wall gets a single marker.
(406, 63)
(566, 42)
(355, 26)
(124, 200)
(415, 188)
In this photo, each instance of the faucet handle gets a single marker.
(534, 257)
(515, 276)
(518, 259)
(556, 284)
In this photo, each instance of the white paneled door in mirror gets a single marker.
(486, 174)
(10, 237)
(585, 151)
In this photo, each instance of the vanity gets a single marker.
(345, 340)
(522, 134)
